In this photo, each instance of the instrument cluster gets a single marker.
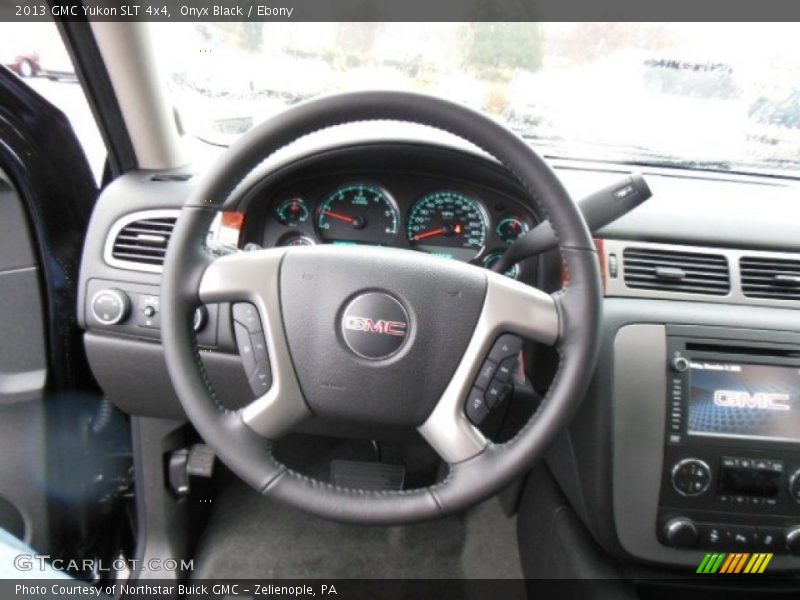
(440, 217)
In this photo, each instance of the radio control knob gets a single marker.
(110, 306)
(794, 486)
(680, 364)
(680, 532)
(691, 477)
(793, 539)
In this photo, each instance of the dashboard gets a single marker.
(620, 462)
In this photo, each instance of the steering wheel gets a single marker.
(383, 336)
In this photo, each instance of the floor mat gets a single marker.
(250, 536)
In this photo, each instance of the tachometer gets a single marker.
(449, 224)
(358, 213)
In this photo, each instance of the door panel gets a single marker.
(23, 374)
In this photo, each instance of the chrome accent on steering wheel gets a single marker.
(253, 277)
(509, 307)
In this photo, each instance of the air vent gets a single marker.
(774, 278)
(139, 241)
(673, 271)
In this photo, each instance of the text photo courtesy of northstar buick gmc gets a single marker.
(500, 304)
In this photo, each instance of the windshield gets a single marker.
(706, 96)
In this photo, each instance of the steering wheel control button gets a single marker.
(245, 346)
(110, 307)
(691, 477)
(506, 346)
(485, 375)
(505, 370)
(496, 393)
(476, 406)
(200, 318)
(247, 314)
(375, 325)
(261, 380)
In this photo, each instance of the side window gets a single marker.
(36, 53)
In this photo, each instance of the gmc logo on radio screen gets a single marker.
(763, 401)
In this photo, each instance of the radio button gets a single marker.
(680, 364)
(691, 477)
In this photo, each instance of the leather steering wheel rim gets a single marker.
(568, 319)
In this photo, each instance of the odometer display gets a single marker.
(449, 224)
(358, 213)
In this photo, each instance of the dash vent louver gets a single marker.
(676, 271)
(773, 278)
(140, 240)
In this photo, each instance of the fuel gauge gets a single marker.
(511, 228)
(292, 212)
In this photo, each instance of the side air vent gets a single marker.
(774, 278)
(674, 271)
(139, 241)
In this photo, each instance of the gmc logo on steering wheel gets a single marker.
(371, 326)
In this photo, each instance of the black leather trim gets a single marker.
(249, 455)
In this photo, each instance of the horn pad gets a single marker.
(375, 334)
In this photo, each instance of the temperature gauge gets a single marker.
(510, 228)
(493, 257)
(292, 212)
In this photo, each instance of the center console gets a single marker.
(731, 463)
(706, 442)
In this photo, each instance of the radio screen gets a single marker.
(750, 482)
(747, 401)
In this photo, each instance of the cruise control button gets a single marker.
(505, 370)
(259, 348)
(506, 346)
(245, 347)
(261, 380)
(485, 374)
(496, 393)
(247, 314)
(476, 406)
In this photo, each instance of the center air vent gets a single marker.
(774, 278)
(674, 271)
(139, 240)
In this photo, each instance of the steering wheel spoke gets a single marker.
(509, 307)
(252, 277)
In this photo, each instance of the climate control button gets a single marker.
(680, 532)
(691, 477)
(794, 486)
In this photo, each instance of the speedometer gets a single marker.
(361, 213)
(449, 224)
